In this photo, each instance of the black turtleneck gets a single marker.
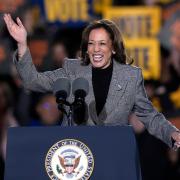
(101, 79)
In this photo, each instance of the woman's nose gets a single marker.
(96, 47)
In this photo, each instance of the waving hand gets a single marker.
(17, 31)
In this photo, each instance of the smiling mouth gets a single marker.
(97, 58)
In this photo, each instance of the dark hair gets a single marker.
(115, 35)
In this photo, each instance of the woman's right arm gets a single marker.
(32, 79)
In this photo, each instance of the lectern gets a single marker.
(43, 153)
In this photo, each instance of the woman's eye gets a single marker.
(90, 43)
(102, 43)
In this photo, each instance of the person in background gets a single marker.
(173, 168)
(169, 89)
(58, 54)
(116, 87)
(47, 113)
(7, 119)
(5, 62)
(173, 66)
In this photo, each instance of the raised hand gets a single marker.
(17, 31)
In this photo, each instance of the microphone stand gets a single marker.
(79, 101)
(69, 115)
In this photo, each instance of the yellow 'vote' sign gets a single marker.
(135, 21)
(146, 55)
(139, 26)
(65, 10)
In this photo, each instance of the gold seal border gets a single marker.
(72, 145)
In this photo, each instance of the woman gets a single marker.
(116, 88)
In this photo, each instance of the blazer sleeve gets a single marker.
(154, 121)
(33, 80)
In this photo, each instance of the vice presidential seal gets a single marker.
(69, 159)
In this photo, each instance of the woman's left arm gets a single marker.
(154, 121)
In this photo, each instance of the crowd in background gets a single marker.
(50, 46)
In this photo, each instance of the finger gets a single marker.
(9, 16)
(175, 148)
(5, 17)
(176, 145)
(10, 20)
(9, 23)
(19, 22)
(7, 20)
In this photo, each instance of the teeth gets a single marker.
(97, 57)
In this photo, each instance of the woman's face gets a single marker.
(100, 48)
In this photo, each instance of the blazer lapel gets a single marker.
(90, 98)
(116, 89)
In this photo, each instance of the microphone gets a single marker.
(61, 90)
(80, 89)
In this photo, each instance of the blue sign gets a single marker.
(66, 12)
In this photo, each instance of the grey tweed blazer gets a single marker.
(126, 94)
